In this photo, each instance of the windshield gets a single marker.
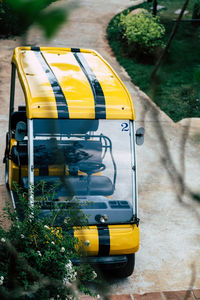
(88, 160)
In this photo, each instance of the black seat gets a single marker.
(74, 185)
(19, 154)
(21, 108)
(47, 152)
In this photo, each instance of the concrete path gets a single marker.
(172, 295)
(169, 256)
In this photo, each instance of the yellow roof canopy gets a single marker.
(70, 83)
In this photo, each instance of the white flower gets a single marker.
(69, 265)
(66, 220)
(46, 227)
(74, 276)
(53, 243)
(70, 277)
(65, 280)
(71, 273)
(62, 249)
(3, 240)
(94, 274)
(22, 236)
(1, 280)
(39, 253)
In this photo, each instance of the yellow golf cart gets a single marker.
(76, 130)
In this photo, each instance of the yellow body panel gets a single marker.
(124, 239)
(88, 234)
(37, 67)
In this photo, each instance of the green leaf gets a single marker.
(51, 21)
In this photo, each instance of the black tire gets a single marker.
(124, 270)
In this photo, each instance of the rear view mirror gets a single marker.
(20, 131)
(139, 136)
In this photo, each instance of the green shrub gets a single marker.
(35, 256)
(114, 30)
(142, 32)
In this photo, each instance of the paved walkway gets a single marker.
(173, 295)
(168, 258)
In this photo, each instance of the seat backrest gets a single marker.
(84, 151)
(47, 152)
(71, 151)
(21, 108)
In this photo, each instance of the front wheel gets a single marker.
(124, 270)
(128, 269)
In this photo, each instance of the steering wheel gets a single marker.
(91, 167)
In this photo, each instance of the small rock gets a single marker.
(159, 7)
(138, 11)
(177, 12)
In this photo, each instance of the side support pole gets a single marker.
(30, 163)
(134, 168)
(12, 93)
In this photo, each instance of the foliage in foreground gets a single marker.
(18, 15)
(35, 257)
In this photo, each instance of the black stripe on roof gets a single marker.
(75, 49)
(35, 48)
(61, 102)
(104, 240)
(100, 107)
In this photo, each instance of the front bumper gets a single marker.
(104, 261)
(108, 240)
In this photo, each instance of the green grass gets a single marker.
(177, 90)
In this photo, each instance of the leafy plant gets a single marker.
(143, 32)
(17, 16)
(36, 254)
